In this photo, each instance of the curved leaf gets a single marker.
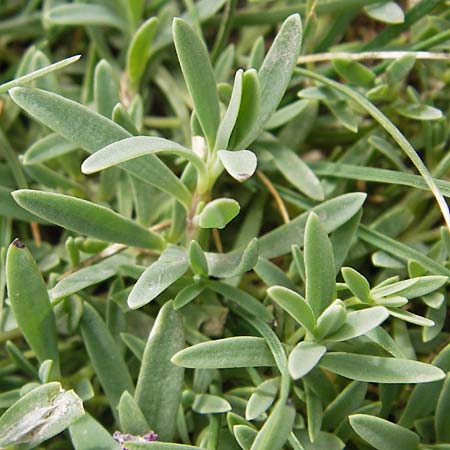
(87, 218)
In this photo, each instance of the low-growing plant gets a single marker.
(317, 318)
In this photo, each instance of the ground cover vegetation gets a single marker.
(223, 224)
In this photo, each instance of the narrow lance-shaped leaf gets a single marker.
(231, 114)
(304, 357)
(360, 322)
(199, 76)
(384, 435)
(297, 172)
(139, 50)
(31, 305)
(241, 351)
(275, 72)
(106, 88)
(170, 266)
(39, 415)
(85, 15)
(87, 218)
(87, 434)
(106, 359)
(248, 108)
(137, 146)
(92, 131)
(35, 75)
(376, 369)
(159, 385)
(334, 212)
(295, 305)
(319, 266)
(131, 418)
(262, 398)
(276, 429)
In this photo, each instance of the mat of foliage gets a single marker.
(223, 224)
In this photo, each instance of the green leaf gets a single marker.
(241, 351)
(323, 441)
(248, 108)
(85, 15)
(297, 172)
(276, 429)
(199, 77)
(139, 50)
(375, 369)
(87, 276)
(244, 436)
(314, 413)
(135, 147)
(106, 88)
(105, 357)
(343, 114)
(412, 288)
(295, 305)
(229, 119)
(31, 305)
(357, 283)
(383, 435)
(188, 294)
(319, 266)
(334, 212)
(275, 73)
(218, 213)
(49, 147)
(271, 274)
(286, 114)
(304, 357)
(330, 320)
(39, 415)
(262, 398)
(410, 317)
(229, 265)
(170, 266)
(240, 164)
(359, 323)
(419, 112)
(92, 131)
(131, 418)
(36, 74)
(197, 259)
(87, 434)
(354, 72)
(9, 208)
(210, 404)
(159, 385)
(87, 218)
(399, 68)
(348, 400)
(387, 12)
